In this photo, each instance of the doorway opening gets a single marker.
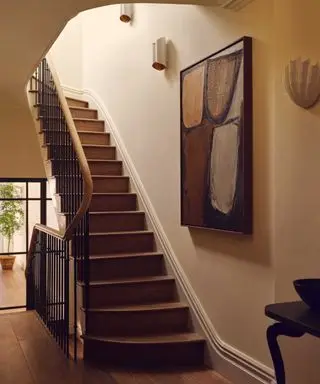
(23, 203)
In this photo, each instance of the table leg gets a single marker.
(275, 330)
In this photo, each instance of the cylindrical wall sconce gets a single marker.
(160, 54)
(126, 12)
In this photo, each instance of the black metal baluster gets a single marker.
(75, 306)
(54, 298)
(49, 272)
(60, 296)
(49, 281)
(62, 306)
(67, 292)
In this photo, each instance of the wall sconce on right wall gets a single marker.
(159, 50)
(302, 82)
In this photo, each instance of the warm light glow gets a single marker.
(158, 66)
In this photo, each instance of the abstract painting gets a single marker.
(216, 140)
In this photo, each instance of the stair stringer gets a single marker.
(227, 360)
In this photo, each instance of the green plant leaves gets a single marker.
(11, 211)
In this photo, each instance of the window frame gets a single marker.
(42, 199)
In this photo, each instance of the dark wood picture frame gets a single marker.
(209, 94)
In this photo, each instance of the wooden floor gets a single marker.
(192, 377)
(28, 355)
(12, 288)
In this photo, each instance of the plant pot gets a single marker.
(7, 262)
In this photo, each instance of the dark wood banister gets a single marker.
(85, 170)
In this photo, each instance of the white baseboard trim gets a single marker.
(253, 371)
(72, 92)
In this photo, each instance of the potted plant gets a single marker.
(11, 219)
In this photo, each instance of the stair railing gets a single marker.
(58, 260)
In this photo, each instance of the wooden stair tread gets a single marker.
(74, 99)
(93, 132)
(103, 193)
(142, 231)
(86, 119)
(125, 255)
(135, 280)
(98, 145)
(83, 108)
(110, 176)
(36, 105)
(95, 176)
(116, 213)
(94, 160)
(104, 161)
(79, 131)
(108, 213)
(114, 194)
(140, 308)
(50, 145)
(160, 339)
(84, 145)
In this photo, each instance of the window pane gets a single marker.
(48, 191)
(34, 217)
(18, 241)
(19, 190)
(34, 190)
(20, 262)
(12, 282)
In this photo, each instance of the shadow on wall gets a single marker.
(172, 72)
(315, 110)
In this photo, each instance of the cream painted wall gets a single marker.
(67, 54)
(19, 148)
(28, 29)
(297, 179)
(232, 275)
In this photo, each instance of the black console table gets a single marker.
(294, 320)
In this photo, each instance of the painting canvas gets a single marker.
(216, 140)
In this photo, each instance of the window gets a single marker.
(33, 205)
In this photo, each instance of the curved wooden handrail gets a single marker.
(50, 231)
(83, 163)
(84, 168)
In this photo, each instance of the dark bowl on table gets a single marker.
(309, 291)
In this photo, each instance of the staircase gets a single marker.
(134, 316)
